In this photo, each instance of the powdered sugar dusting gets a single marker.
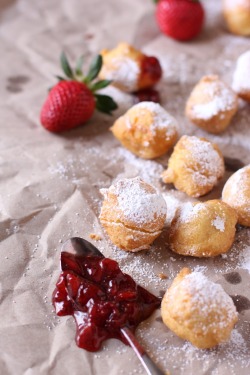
(124, 71)
(138, 203)
(175, 199)
(245, 259)
(234, 4)
(221, 98)
(236, 189)
(241, 78)
(211, 164)
(219, 223)
(161, 118)
(148, 170)
(189, 211)
(209, 296)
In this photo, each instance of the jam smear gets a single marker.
(146, 95)
(101, 298)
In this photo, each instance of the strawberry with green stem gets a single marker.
(72, 101)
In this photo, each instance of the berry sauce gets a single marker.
(151, 70)
(101, 298)
(146, 95)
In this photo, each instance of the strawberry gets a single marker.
(180, 19)
(72, 101)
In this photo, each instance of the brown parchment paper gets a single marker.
(49, 185)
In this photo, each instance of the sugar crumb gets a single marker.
(95, 236)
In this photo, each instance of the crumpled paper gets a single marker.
(49, 185)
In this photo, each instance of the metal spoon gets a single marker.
(79, 246)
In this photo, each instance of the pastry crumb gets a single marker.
(162, 276)
(95, 236)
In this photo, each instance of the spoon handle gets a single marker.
(146, 361)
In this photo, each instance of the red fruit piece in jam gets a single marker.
(101, 298)
(151, 71)
(146, 95)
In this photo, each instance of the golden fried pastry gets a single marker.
(211, 104)
(195, 166)
(237, 16)
(129, 69)
(133, 214)
(203, 229)
(198, 310)
(241, 78)
(146, 129)
(236, 193)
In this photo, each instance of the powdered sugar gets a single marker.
(241, 78)
(245, 259)
(236, 189)
(123, 71)
(209, 297)
(219, 223)
(234, 4)
(210, 165)
(221, 98)
(175, 199)
(148, 170)
(189, 210)
(139, 202)
(228, 355)
(162, 120)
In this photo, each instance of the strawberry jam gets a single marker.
(146, 95)
(101, 298)
(151, 71)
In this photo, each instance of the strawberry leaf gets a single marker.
(60, 78)
(105, 103)
(79, 64)
(94, 69)
(65, 66)
(100, 84)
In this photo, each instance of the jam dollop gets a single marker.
(146, 95)
(101, 298)
(151, 70)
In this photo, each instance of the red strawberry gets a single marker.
(180, 19)
(72, 102)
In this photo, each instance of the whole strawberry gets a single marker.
(72, 101)
(180, 19)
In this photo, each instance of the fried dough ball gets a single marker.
(146, 129)
(198, 310)
(236, 193)
(241, 78)
(129, 69)
(195, 166)
(203, 229)
(237, 16)
(133, 214)
(211, 104)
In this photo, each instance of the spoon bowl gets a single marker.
(81, 247)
